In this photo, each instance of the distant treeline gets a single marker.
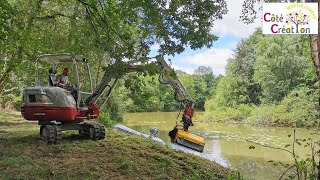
(270, 80)
(138, 93)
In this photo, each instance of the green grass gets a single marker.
(120, 156)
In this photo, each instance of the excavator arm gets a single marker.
(98, 99)
(167, 76)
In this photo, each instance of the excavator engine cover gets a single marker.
(187, 139)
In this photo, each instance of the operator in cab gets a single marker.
(62, 81)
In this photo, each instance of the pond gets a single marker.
(228, 144)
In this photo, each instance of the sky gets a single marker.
(230, 31)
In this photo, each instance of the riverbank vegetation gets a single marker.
(120, 156)
(270, 80)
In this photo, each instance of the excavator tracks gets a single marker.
(95, 131)
(52, 133)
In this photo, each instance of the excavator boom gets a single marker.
(167, 76)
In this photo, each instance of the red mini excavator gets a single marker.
(57, 109)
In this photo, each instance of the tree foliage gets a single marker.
(242, 66)
(147, 94)
(171, 24)
(104, 31)
(268, 78)
(282, 63)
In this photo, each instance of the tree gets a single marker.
(123, 29)
(132, 27)
(282, 63)
(249, 14)
(180, 72)
(229, 92)
(242, 65)
(146, 93)
(37, 27)
(206, 73)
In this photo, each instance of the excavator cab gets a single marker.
(80, 76)
(57, 109)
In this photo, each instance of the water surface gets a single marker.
(228, 144)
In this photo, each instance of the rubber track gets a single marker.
(96, 130)
(58, 133)
(51, 135)
(102, 134)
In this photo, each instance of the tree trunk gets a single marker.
(98, 72)
(316, 60)
(314, 46)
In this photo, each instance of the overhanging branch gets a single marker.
(53, 16)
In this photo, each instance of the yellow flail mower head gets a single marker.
(184, 138)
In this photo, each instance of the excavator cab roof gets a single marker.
(79, 65)
(61, 58)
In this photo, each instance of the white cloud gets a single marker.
(216, 58)
(184, 69)
(231, 45)
(230, 23)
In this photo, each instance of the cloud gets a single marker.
(216, 58)
(230, 30)
(184, 69)
(230, 23)
(231, 45)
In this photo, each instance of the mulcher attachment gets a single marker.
(187, 139)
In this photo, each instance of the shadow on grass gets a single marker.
(35, 139)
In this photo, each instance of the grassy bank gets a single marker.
(120, 156)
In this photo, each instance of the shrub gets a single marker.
(225, 113)
(262, 115)
(296, 109)
(105, 119)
